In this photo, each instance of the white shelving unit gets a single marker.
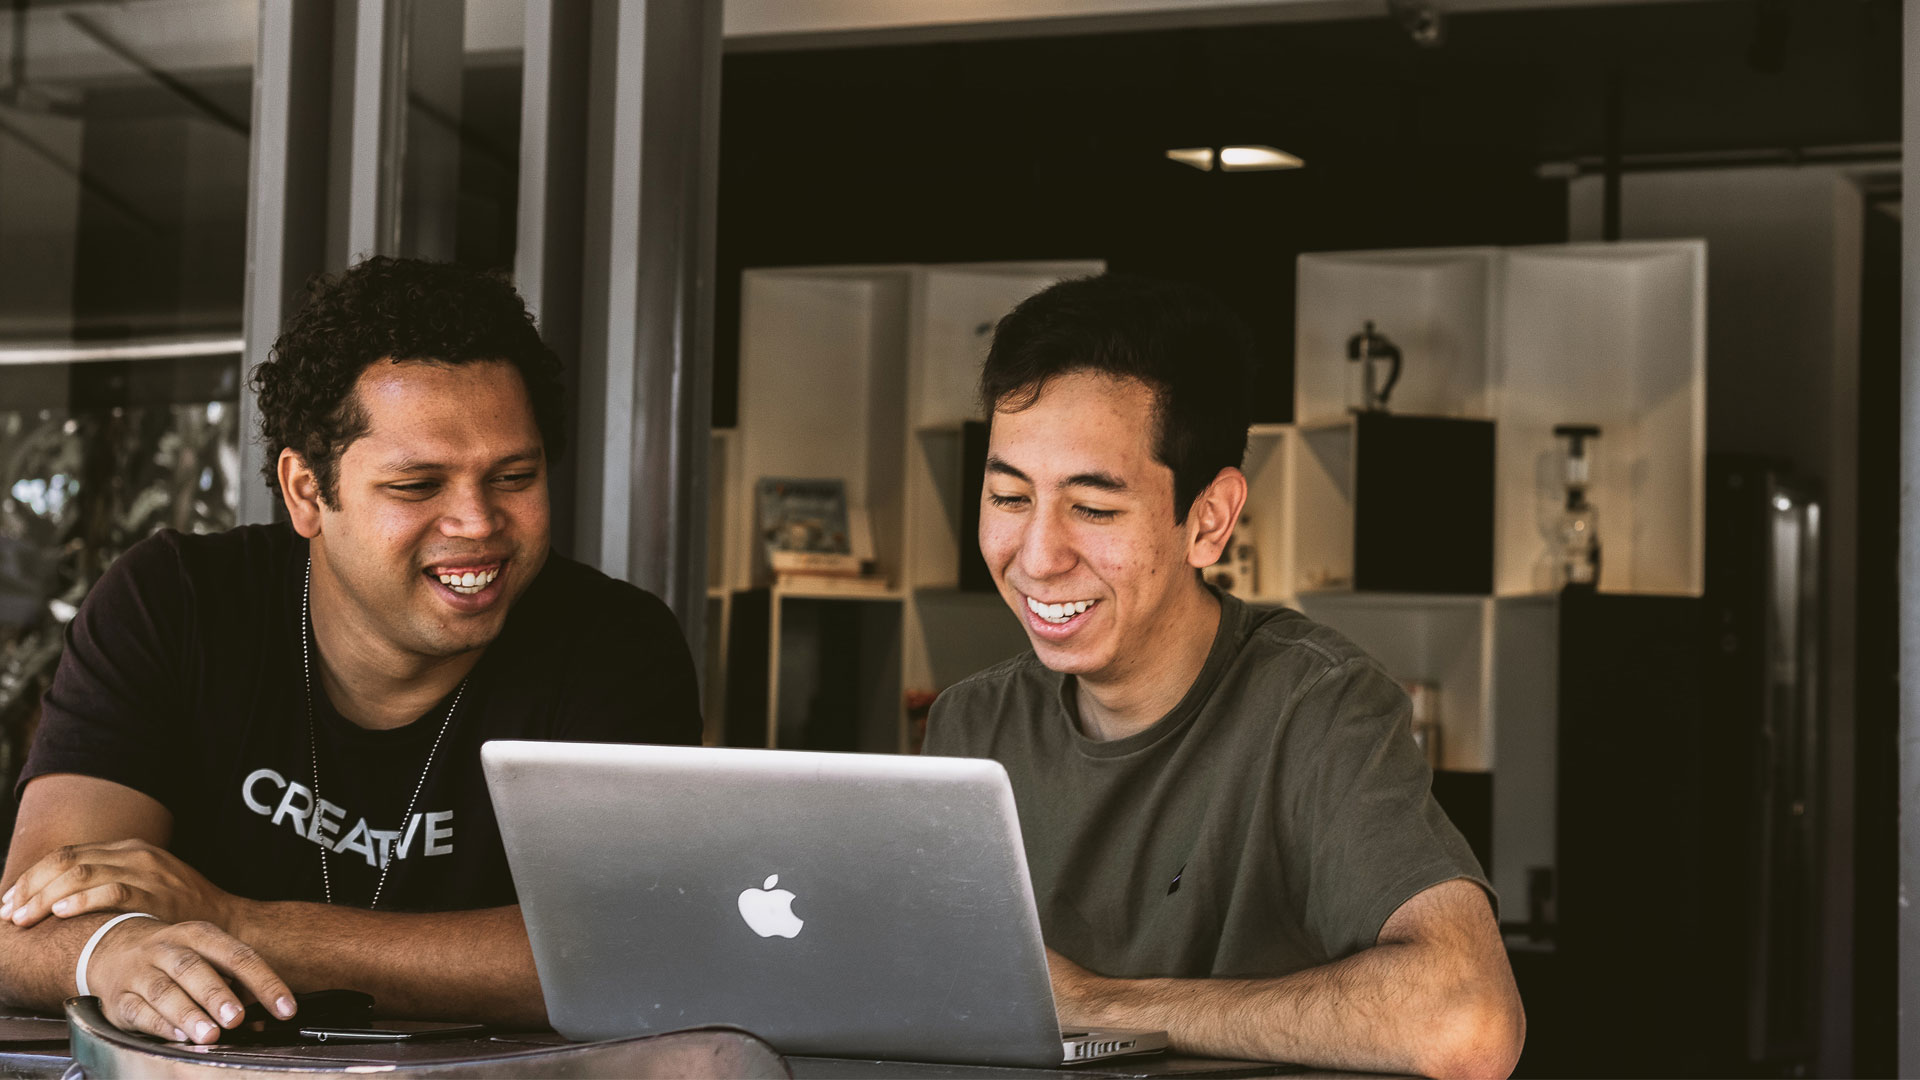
(1443, 640)
(864, 373)
(1609, 334)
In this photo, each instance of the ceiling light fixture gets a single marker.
(1256, 159)
(1235, 158)
(1200, 157)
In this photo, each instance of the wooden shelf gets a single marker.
(891, 595)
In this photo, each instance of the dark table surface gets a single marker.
(37, 1047)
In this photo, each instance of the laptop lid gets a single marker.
(857, 905)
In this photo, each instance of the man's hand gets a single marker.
(1079, 996)
(171, 980)
(1433, 996)
(124, 875)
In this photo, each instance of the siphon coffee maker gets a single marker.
(1578, 562)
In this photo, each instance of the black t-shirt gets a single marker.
(182, 679)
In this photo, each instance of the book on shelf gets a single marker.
(802, 525)
(806, 527)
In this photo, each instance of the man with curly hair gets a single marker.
(258, 769)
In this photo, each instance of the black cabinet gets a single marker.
(1422, 504)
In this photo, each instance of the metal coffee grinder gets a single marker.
(1366, 392)
(1578, 562)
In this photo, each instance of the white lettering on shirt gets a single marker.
(406, 839)
(357, 841)
(295, 790)
(296, 808)
(435, 834)
(386, 837)
(321, 830)
(246, 789)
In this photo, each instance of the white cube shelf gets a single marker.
(1531, 337)
(1442, 640)
(821, 383)
(1438, 305)
(1613, 335)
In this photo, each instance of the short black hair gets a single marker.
(393, 310)
(1186, 345)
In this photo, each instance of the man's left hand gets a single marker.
(1080, 997)
(125, 875)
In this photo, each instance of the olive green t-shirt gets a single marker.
(1271, 822)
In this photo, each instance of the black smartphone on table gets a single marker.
(339, 1016)
(390, 1031)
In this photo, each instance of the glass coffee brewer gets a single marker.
(1577, 561)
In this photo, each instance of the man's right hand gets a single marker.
(124, 875)
(171, 979)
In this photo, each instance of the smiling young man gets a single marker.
(267, 741)
(1227, 822)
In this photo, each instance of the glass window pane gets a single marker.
(123, 167)
(124, 137)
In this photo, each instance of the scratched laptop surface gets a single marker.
(851, 905)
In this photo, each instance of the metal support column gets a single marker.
(287, 213)
(431, 128)
(1909, 931)
(647, 307)
(331, 101)
(548, 255)
(376, 129)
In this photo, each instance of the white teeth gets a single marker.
(468, 584)
(1058, 613)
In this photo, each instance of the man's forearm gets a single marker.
(36, 962)
(453, 965)
(1386, 1008)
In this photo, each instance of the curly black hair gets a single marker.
(393, 310)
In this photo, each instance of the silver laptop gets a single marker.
(841, 905)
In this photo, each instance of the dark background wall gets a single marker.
(1053, 147)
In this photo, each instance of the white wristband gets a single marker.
(86, 954)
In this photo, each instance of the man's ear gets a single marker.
(300, 489)
(1211, 519)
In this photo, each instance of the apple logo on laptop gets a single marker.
(769, 911)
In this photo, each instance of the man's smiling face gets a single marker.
(1076, 524)
(439, 519)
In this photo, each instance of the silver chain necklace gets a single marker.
(313, 748)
